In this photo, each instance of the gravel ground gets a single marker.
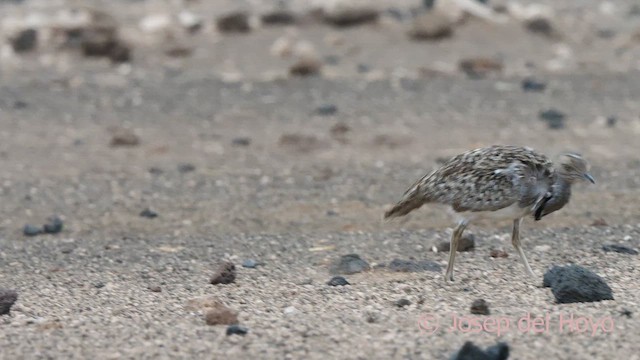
(240, 161)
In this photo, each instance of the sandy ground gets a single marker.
(274, 181)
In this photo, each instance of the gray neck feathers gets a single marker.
(560, 195)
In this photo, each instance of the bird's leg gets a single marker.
(453, 247)
(515, 240)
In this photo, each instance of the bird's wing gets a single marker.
(487, 189)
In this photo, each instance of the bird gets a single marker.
(498, 182)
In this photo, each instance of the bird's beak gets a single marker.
(589, 177)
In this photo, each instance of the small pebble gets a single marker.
(338, 281)
(611, 121)
(241, 141)
(155, 289)
(7, 299)
(148, 213)
(349, 264)
(278, 17)
(574, 283)
(251, 264)
(532, 85)
(470, 351)
(497, 253)
(54, 225)
(225, 274)
(186, 168)
(599, 222)
(398, 265)
(554, 118)
(236, 22)
(236, 329)
(402, 303)
(124, 137)
(622, 249)
(326, 110)
(466, 243)
(25, 41)
(540, 26)
(626, 312)
(31, 230)
(480, 307)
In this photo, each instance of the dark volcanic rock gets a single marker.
(305, 67)
(533, 85)
(541, 26)
(124, 137)
(470, 351)
(25, 40)
(480, 307)
(186, 168)
(278, 17)
(402, 303)
(349, 264)
(326, 110)
(236, 329)
(237, 22)
(148, 213)
(7, 298)
(573, 283)
(554, 118)
(466, 243)
(241, 141)
(338, 281)
(54, 225)
(226, 274)
(31, 230)
(398, 265)
(622, 249)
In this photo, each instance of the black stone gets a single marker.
(148, 213)
(573, 283)
(622, 249)
(54, 225)
(326, 110)
(533, 85)
(241, 141)
(338, 281)
(470, 351)
(25, 41)
(278, 17)
(7, 299)
(186, 167)
(554, 118)
(237, 22)
(611, 121)
(31, 230)
(540, 26)
(349, 264)
(402, 303)
(236, 329)
(399, 265)
(480, 307)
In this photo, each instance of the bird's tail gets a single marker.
(410, 201)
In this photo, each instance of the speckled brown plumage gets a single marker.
(485, 179)
(500, 181)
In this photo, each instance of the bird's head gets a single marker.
(574, 167)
